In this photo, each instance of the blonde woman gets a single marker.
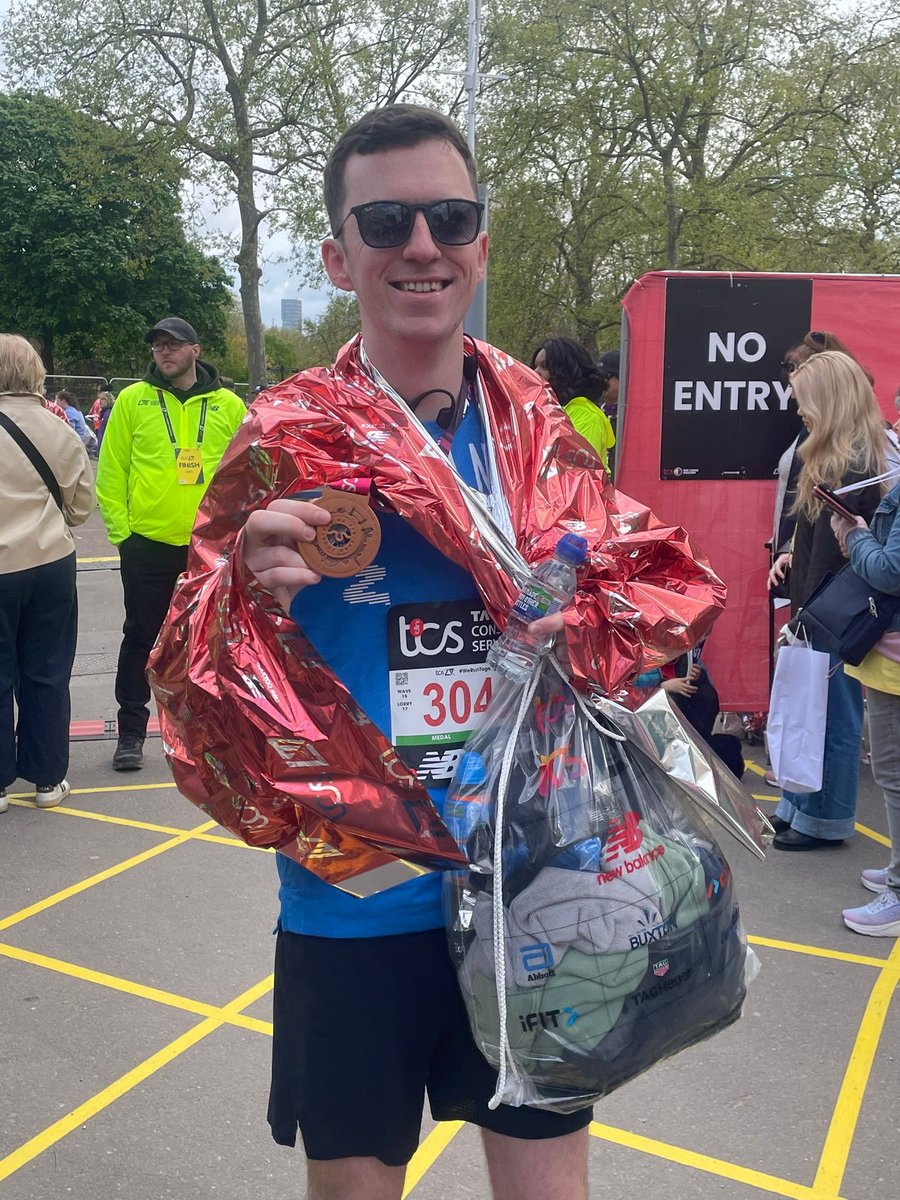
(844, 445)
(46, 486)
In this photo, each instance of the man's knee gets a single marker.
(353, 1179)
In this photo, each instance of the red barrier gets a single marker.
(731, 518)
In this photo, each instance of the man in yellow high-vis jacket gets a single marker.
(162, 443)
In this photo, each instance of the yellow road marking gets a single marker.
(874, 835)
(119, 787)
(712, 1166)
(171, 999)
(147, 826)
(752, 766)
(101, 877)
(820, 952)
(839, 1139)
(102, 558)
(119, 1087)
(428, 1153)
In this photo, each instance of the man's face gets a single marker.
(611, 395)
(173, 358)
(421, 290)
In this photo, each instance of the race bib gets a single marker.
(440, 686)
(188, 466)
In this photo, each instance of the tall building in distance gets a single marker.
(291, 314)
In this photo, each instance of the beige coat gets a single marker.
(33, 531)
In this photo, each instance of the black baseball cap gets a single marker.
(176, 328)
(610, 362)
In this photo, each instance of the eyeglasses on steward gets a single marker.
(384, 224)
(789, 366)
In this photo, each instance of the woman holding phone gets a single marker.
(875, 556)
(844, 445)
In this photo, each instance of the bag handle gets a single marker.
(34, 456)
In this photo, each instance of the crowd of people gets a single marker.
(414, 261)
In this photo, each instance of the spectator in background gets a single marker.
(609, 362)
(817, 341)
(105, 400)
(875, 557)
(578, 384)
(46, 486)
(50, 404)
(75, 417)
(163, 441)
(844, 445)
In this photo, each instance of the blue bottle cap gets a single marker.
(572, 548)
(470, 771)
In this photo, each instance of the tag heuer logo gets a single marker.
(660, 968)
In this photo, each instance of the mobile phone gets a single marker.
(834, 502)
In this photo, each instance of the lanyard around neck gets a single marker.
(489, 512)
(168, 419)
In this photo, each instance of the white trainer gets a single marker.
(49, 797)
(4, 803)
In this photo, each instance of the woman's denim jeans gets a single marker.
(830, 813)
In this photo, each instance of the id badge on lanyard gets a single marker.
(188, 460)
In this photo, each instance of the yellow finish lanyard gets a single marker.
(188, 462)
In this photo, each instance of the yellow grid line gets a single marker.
(844, 1118)
(429, 1152)
(708, 1164)
(131, 987)
(125, 1083)
(146, 826)
(101, 877)
(838, 1141)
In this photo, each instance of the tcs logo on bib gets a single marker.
(429, 637)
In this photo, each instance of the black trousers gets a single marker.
(150, 571)
(38, 630)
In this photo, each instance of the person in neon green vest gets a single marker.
(579, 385)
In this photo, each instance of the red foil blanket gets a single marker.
(259, 732)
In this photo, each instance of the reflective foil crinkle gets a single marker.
(259, 732)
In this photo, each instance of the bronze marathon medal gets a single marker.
(349, 542)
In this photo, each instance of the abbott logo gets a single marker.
(429, 638)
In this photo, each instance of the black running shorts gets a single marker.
(363, 1028)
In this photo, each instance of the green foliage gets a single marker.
(695, 134)
(92, 251)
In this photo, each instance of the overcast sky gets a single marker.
(280, 279)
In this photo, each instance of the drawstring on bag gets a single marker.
(507, 1063)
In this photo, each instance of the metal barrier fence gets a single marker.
(83, 387)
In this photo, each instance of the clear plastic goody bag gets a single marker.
(597, 930)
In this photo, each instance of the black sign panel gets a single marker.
(727, 411)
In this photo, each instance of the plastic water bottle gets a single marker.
(463, 810)
(550, 589)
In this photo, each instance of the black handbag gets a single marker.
(847, 616)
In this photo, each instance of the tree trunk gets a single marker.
(47, 351)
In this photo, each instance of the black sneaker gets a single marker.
(129, 755)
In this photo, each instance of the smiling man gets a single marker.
(162, 443)
(368, 1016)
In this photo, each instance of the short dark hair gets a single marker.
(386, 129)
(571, 369)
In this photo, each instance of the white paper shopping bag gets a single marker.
(796, 725)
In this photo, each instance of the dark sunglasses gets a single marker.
(788, 367)
(383, 224)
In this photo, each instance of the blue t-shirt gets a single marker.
(382, 632)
